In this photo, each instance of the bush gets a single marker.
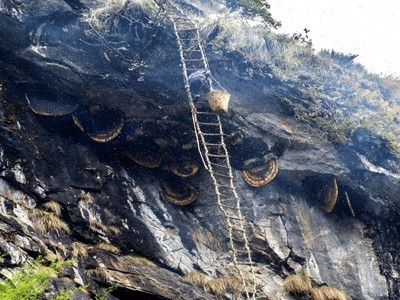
(257, 7)
(30, 282)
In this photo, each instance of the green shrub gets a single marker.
(258, 7)
(30, 281)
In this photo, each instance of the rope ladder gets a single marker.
(211, 145)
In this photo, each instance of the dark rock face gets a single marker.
(107, 198)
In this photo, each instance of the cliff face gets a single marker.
(49, 67)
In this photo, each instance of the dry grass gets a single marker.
(108, 247)
(142, 259)
(98, 273)
(105, 20)
(96, 225)
(80, 251)
(221, 286)
(61, 252)
(85, 196)
(207, 239)
(53, 206)
(328, 293)
(297, 284)
(197, 278)
(114, 230)
(46, 222)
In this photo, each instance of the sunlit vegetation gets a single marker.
(96, 225)
(108, 247)
(53, 206)
(31, 281)
(100, 273)
(258, 8)
(142, 259)
(224, 285)
(328, 293)
(48, 222)
(335, 94)
(197, 278)
(80, 251)
(113, 21)
(85, 196)
(218, 286)
(298, 284)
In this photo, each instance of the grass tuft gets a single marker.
(47, 222)
(80, 251)
(98, 273)
(328, 293)
(138, 258)
(298, 284)
(108, 247)
(221, 286)
(53, 206)
(197, 278)
(114, 230)
(85, 196)
(96, 225)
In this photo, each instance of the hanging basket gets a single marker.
(218, 101)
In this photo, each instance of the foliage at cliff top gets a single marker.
(336, 95)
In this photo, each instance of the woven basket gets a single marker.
(218, 101)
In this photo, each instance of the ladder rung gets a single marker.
(219, 165)
(193, 59)
(213, 134)
(186, 20)
(225, 186)
(186, 29)
(227, 206)
(237, 228)
(189, 39)
(217, 155)
(242, 251)
(208, 124)
(204, 113)
(234, 218)
(173, 12)
(180, 17)
(214, 145)
(188, 50)
(226, 196)
(223, 175)
(238, 241)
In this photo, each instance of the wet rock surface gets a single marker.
(105, 197)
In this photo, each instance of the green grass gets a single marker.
(258, 8)
(334, 94)
(30, 281)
